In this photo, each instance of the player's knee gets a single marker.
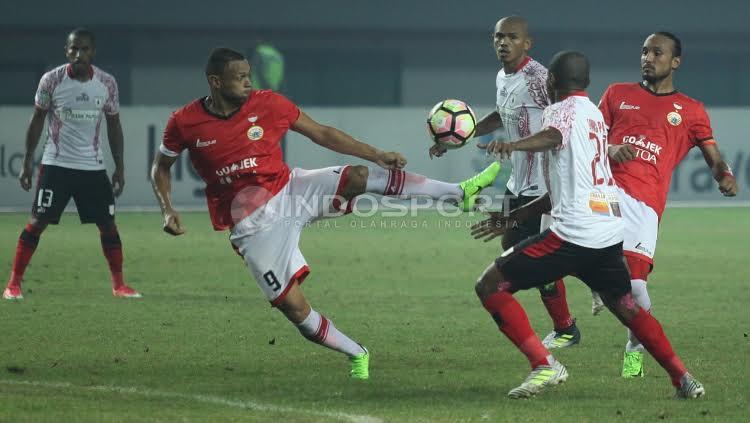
(623, 306)
(37, 226)
(638, 267)
(491, 281)
(639, 289)
(356, 181)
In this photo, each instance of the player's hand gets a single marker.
(118, 182)
(172, 223)
(494, 226)
(728, 185)
(498, 148)
(621, 153)
(390, 160)
(25, 177)
(437, 151)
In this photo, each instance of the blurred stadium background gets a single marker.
(204, 346)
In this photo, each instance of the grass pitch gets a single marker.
(203, 344)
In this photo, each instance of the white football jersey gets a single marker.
(521, 99)
(75, 113)
(585, 205)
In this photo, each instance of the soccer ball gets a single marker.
(451, 123)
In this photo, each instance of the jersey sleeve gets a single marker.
(700, 128)
(43, 96)
(286, 110)
(604, 106)
(537, 86)
(560, 118)
(172, 142)
(112, 105)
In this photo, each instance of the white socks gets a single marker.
(640, 294)
(317, 328)
(397, 182)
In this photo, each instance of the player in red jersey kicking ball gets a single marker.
(233, 138)
(585, 238)
(652, 127)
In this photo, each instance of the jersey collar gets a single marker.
(69, 69)
(642, 85)
(521, 65)
(580, 93)
(203, 100)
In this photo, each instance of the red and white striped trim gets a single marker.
(299, 276)
(546, 246)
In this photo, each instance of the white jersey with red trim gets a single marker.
(521, 99)
(75, 113)
(585, 205)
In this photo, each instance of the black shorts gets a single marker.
(90, 189)
(530, 227)
(545, 257)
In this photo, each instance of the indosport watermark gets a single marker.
(256, 207)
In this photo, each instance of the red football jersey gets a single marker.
(233, 153)
(661, 127)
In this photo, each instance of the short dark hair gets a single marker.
(571, 70)
(219, 58)
(83, 32)
(676, 43)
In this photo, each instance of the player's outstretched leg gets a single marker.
(512, 321)
(648, 330)
(474, 185)
(360, 179)
(25, 248)
(319, 329)
(565, 332)
(112, 249)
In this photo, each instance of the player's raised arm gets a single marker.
(114, 134)
(543, 140)
(721, 171)
(488, 124)
(36, 125)
(161, 181)
(341, 142)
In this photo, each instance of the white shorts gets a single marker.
(546, 222)
(268, 239)
(641, 227)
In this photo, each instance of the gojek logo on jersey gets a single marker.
(644, 149)
(226, 172)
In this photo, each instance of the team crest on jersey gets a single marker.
(98, 101)
(674, 118)
(255, 133)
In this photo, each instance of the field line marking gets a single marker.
(208, 399)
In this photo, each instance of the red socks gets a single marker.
(553, 297)
(25, 248)
(112, 248)
(648, 330)
(511, 319)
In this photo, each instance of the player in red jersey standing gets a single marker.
(651, 129)
(233, 138)
(74, 98)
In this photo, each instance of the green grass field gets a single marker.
(204, 345)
